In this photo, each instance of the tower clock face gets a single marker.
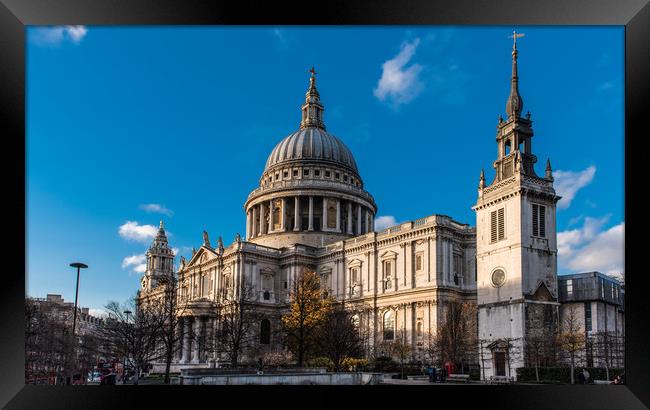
(498, 278)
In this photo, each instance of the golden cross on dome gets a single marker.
(312, 71)
(514, 38)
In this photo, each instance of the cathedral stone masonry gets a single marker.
(311, 212)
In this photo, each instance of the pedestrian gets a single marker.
(587, 376)
(581, 377)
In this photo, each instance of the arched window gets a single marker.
(265, 332)
(418, 328)
(389, 325)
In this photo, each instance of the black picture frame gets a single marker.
(16, 14)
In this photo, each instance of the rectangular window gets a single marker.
(317, 172)
(388, 277)
(285, 174)
(327, 174)
(336, 175)
(355, 275)
(502, 226)
(305, 172)
(497, 225)
(539, 220)
(569, 287)
(295, 172)
(588, 316)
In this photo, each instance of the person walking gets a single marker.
(581, 377)
(586, 375)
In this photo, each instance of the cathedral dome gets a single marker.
(313, 144)
(310, 191)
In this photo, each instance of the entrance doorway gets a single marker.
(500, 363)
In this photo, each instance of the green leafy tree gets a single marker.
(308, 310)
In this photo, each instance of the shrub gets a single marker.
(353, 364)
(321, 362)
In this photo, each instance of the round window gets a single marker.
(498, 277)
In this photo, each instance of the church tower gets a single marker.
(516, 246)
(160, 260)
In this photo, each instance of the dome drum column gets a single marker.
(358, 219)
(338, 215)
(311, 214)
(349, 224)
(296, 214)
(261, 218)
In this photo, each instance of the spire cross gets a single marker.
(312, 71)
(514, 38)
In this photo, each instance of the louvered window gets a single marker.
(497, 225)
(539, 220)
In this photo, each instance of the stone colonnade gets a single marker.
(196, 341)
(308, 213)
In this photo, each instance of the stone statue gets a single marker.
(220, 245)
(238, 237)
(182, 261)
(206, 239)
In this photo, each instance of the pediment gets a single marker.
(355, 263)
(388, 255)
(203, 255)
(542, 293)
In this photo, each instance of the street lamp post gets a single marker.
(79, 266)
(126, 344)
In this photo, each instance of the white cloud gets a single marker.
(97, 312)
(137, 262)
(157, 209)
(57, 34)
(398, 83)
(383, 222)
(568, 183)
(591, 249)
(131, 230)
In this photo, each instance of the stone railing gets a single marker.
(499, 185)
(261, 248)
(310, 183)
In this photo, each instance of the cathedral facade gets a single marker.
(311, 212)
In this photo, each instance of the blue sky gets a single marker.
(126, 126)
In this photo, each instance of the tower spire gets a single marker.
(312, 109)
(514, 103)
(549, 171)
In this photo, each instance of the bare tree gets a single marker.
(136, 338)
(456, 338)
(240, 317)
(340, 337)
(165, 301)
(483, 356)
(48, 341)
(606, 346)
(431, 348)
(571, 339)
(541, 336)
(401, 348)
